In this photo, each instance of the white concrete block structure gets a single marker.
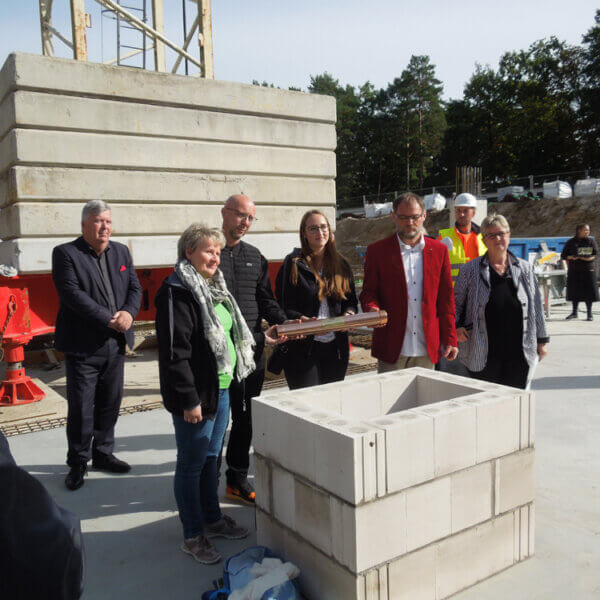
(164, 150)
(409, 485)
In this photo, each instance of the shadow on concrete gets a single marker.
(567, 383)
(136, 443)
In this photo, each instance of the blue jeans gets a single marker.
(195, 485)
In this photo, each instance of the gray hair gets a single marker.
(194, 235)
(94, 207)
(494, 220)
(408, 198)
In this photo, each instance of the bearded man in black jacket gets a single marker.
(247, 276)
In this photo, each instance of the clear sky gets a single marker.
(286, 42)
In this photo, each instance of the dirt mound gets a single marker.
(527, 218)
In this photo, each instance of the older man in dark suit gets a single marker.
(99, 295)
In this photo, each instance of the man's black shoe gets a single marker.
(571, 316)
(74, 479)
(109, 462)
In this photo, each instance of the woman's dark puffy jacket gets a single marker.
(187, 366)
(303, 299)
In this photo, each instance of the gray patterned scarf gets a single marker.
(208, 293)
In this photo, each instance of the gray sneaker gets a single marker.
(202, 550)
(227, 528)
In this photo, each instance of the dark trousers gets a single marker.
(240, 436)
(587, 304)
(325, 364)
(94, 392)
(512, 371)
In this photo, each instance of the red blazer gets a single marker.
(385, 288)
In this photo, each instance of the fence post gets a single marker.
(531, 183)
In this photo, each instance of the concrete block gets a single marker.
(317, 571)
(35, 219)
(409, 448)
(531, 537)
(369, 439)
(474, 555)
(471, 492)
(54, 111)
(74, 149)
(498, 424)
(340, 465)
(524, 532)
(531, 420)
(343, 532)
(398, 392)
(376, 582)
(455, 435)
(28, 71)
(313, 516)
(412, 577)
(34, 255)
(54, 184)
(7, 114)
(428, 513)
(4, 198)
(326, 397)
(262, 483)
(431, 390)
(381, 531)
(515, 480)
(284, 497)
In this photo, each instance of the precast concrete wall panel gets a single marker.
(55, 184)
(164, 150)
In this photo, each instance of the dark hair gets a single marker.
(408, 197)
(335, 280)
(579, 227)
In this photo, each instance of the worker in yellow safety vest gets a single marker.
(464, 240)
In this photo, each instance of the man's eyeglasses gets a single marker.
(407, 218)
(243, 216)
(496, 236)
(316, 228)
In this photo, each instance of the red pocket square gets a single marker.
(123, 268)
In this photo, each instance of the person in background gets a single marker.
(499, 313)
(246, 274)
(464, 240)
(408, 275)
(580, 253)
(316, 281)
(203, 345)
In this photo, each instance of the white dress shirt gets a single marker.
(414, 338)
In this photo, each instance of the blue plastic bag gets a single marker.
(236, 574)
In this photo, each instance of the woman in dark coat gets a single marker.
(203, 343)
(316, 281)
(580, 252)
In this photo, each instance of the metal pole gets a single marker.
(45, 22)
(78, 23)
(205, 39)
(158, 20)
(145, 19)
(184, 32)
(186, 43)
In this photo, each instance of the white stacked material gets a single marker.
(414, 484)
(163, 150)
(557, 190)
(510, 190)
(587, 188)
(435, 202)
(378, 209)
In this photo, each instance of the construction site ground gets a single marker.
(132, 532)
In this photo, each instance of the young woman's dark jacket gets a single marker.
(186, 364)
(303, 299)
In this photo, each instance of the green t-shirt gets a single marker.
(227, 322)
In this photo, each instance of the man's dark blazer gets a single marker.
(84, 313)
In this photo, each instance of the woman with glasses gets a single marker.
(316, 281)
(580, 253)
(499, 315)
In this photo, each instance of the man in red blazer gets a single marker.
(408, 275)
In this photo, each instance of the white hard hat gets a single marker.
(465, 200)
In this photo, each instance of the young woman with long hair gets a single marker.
(316, 281)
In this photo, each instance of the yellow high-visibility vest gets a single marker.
(457, 253)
